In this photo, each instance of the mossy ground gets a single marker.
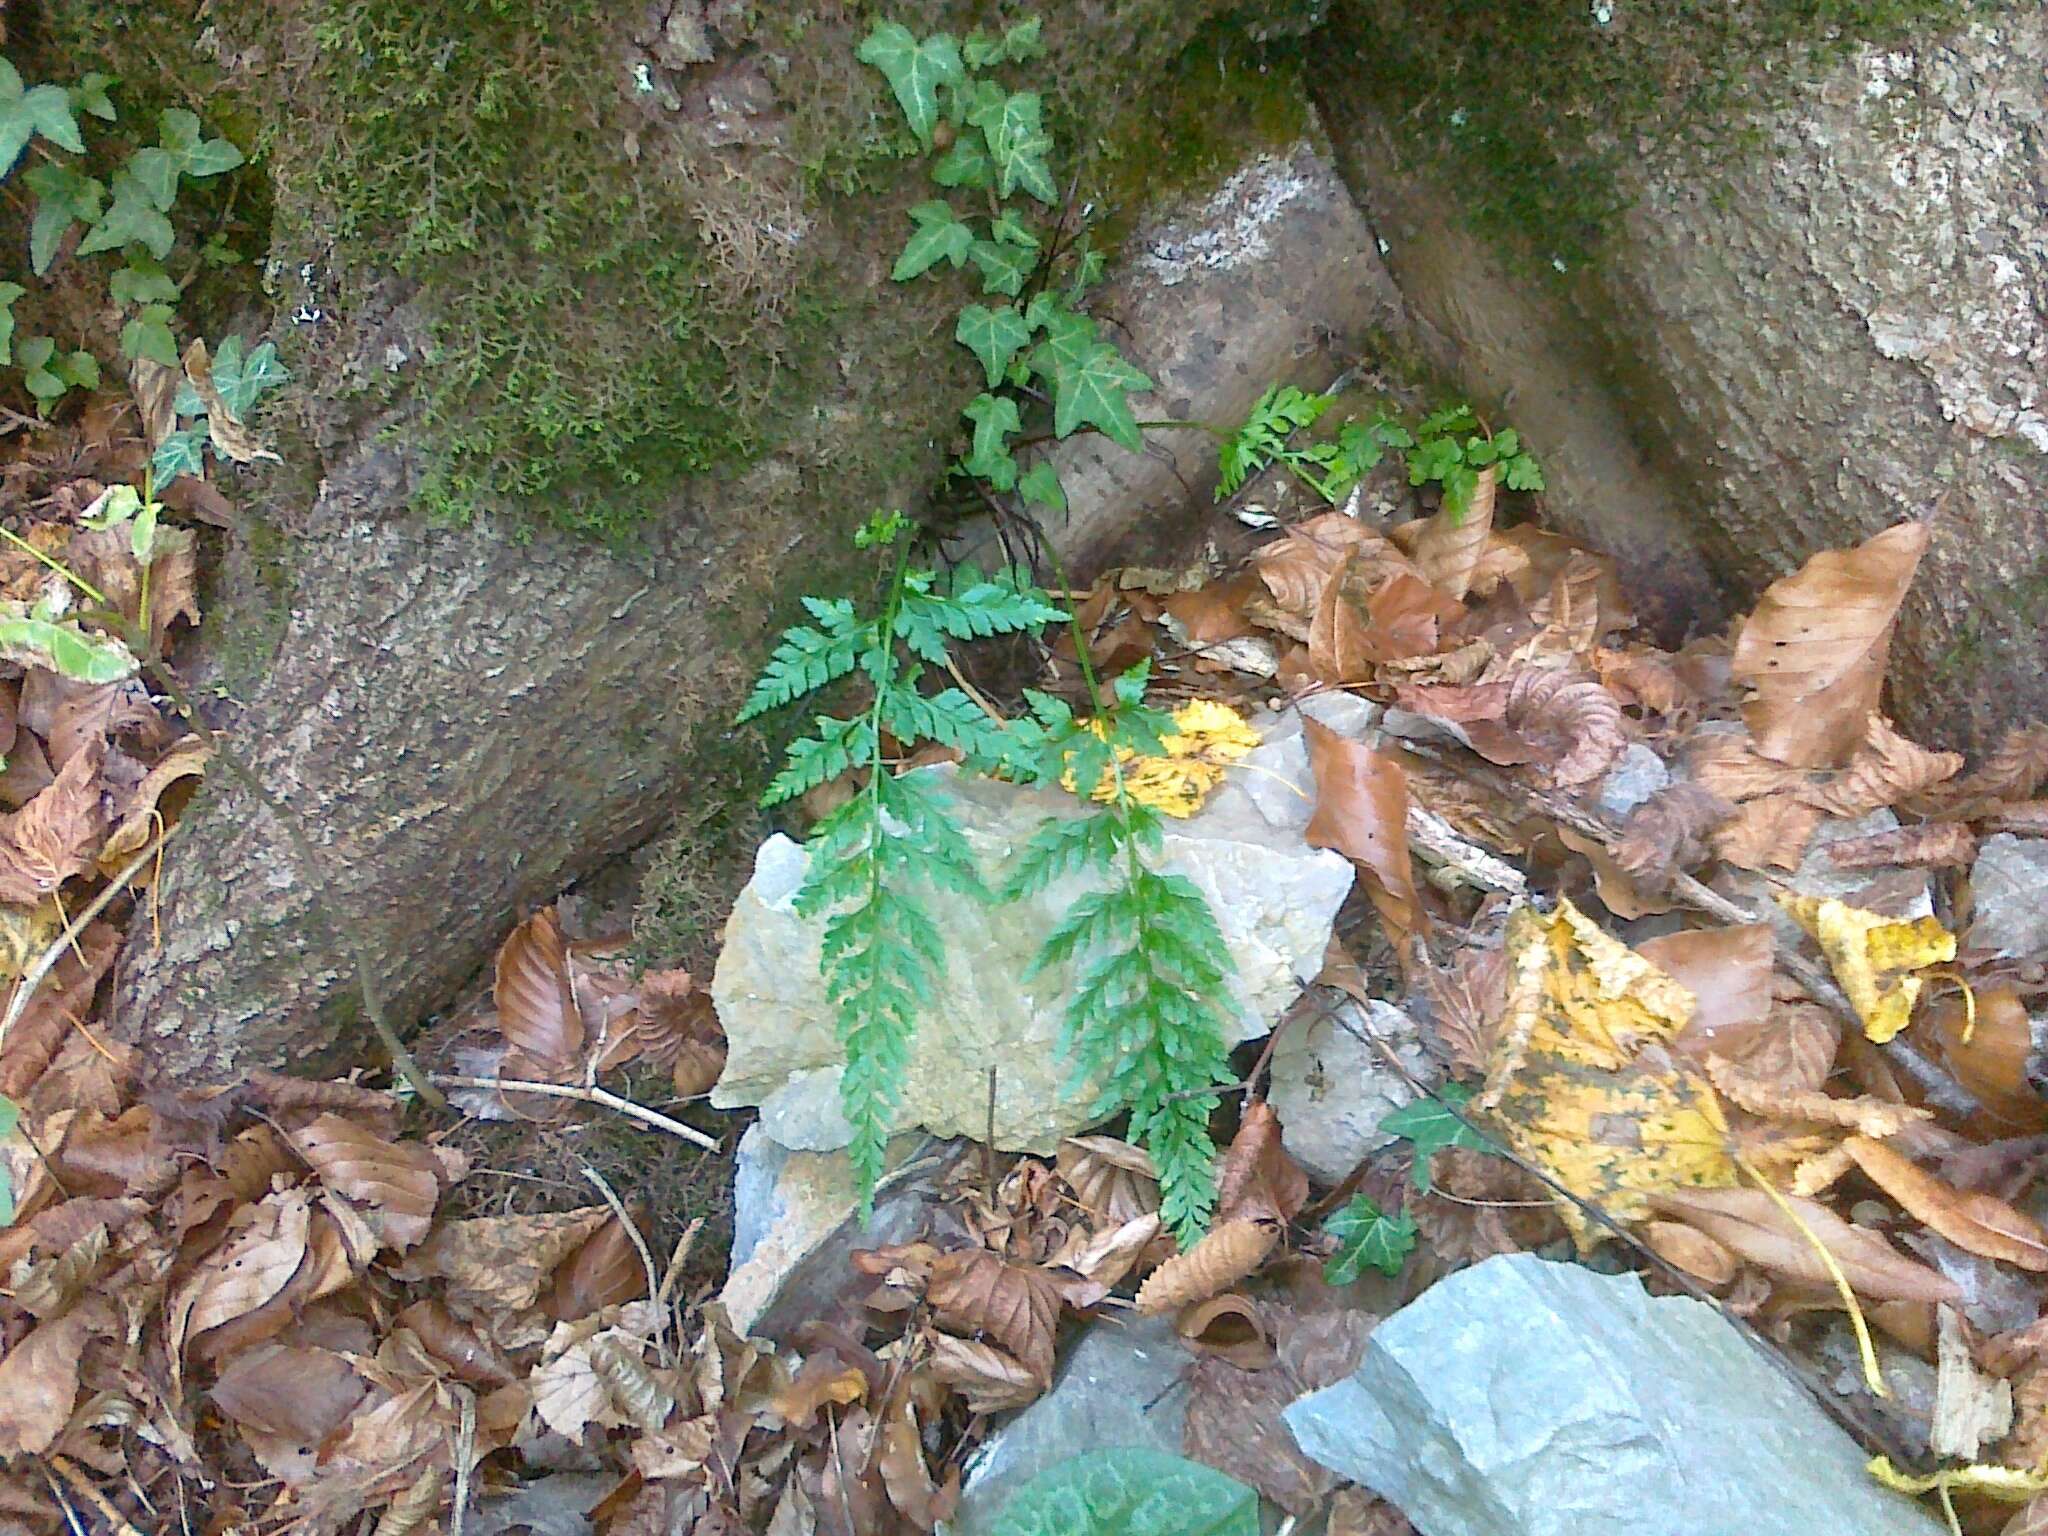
(1534, 107)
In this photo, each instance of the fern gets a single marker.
(872, 861)
(1147, 1012)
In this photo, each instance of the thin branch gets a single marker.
(625, 1219)
(627, 1107)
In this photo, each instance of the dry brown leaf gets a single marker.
(1692, 1251)
(471, 1357)
(537, 1010)
(973, 1291)
(1668, 832)
(1728, 972)
(2022, 818)
(1767, 833)
(1751, 1224)
(2032, 1518)
(1619, 891)
(299, 1393)
(1931, 845)
(604, 1271)
(1774, 1099)
(1362, 812)
(1725, 762)
(1971, 1409)
(64, 998)
(1992, 1063)
(1547, 715)
(399, 1182)
(1480, 1205)
(824, 1378)
(39, 1383)
(498, 1264)
(698, 1066)
(250, 1269)
(1644, 677)
(1984, 1224)
(1358, 1512)
(1297, 566)
(599, 1379)
(988, 1379)
(1446, 552)
(1111, 1179)
(1886, 769)
(412, 1509)
(1815, 649)
(1213, 614)
(55, 835)
(1229, 1328)
(1228, 1253)
(1257, 1180)
(141, 815)
(155, 388)
(2015, 770)
(900, 1459)
(230, 437)
(1103, 1258)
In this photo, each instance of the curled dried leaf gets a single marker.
(2015, 770)
(973, 1291)
(1668, 831)
(1447, 552)
(1228, 1253)
(1229, 1328)
(399, 1183)
(1111, 1179)
(1984, 1224)
(1931, 845)
(1752, 1225)
(1871, 1117)
(1699, 1255)
(1362, 812)
(55, 835)
(1886, 769)
(1767, 833)
(988, 1379)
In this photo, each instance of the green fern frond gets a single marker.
(808, 658)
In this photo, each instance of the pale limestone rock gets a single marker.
(1331, 1087)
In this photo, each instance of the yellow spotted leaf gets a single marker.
(1582, 1081)
(1207, 738)
(1874, 957)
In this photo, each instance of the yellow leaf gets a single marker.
(1207, 738)
(1581, 1081)
(1873, 957)
(2006, 1484)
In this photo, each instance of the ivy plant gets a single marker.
(1367, 1238)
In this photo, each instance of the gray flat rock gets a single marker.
(1526, 1398)
(2009, 883)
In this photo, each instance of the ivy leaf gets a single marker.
(241, 381)
(9, 292)
(1011, 230)
(1069, 337)
(966, 164)
(915, 71)
(1432, 1125)
(1130, 1491)
(993, 335)
(191, 152)
(982, 49)
(142, 282)
(1088, 271)
(1367, 1235)
(1004, 268)
(90, 95)
(181, 453)
(995, 420)
(1023, 42)
(1018, 141)
(156, 170)
(1093, 392)
(65, 649)
(148, 335)
(134, 219)
(42, 109)
(1040, 486)
(63, 197)
(940, 236)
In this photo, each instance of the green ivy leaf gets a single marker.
(982, 49)
(9, 292)
(25, 113)
(1018, 141)
(90, 95)
(915, 71)
(1024, 42)
(156, 172)
(148, 335)
(241, 381)
(64, 648)
(191, 152)
(940, 236)
(1040, 486)
(995, 420)
(134, 219)
(142, 282)
(1069, 337)
(1432, 1125)
(1366, 1235)
(1094, 391)
(1011, 230)
(63, 197)
(993, 335)
(181, 453)
(1004, 268)
(1129, 1491)
(966, 164)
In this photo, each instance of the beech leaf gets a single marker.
(398, 1182)
(1228, 1253)
(1982, 1223)
(537, 1009)
(989, 1380)
(1751, 1224)
(971, 1290)
(1362, 812)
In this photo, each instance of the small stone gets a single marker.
(1526, 1398)
(2009, 883)
(1331, 1087)
(1274, 898)
(1638, 775)
(1118, 1387)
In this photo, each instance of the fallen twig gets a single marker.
(625, 1219)
(640, 1112)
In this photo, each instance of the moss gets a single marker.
(1534, 107)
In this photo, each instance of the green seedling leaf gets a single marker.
(148, 335)
(9, 292)
(1024, 42)
(993, 335)
(63, 197)
(64, 648)
(1040, 486)
(915, 71)
(1432, 1125)
(190, 150)
(1461, 482)
(1366, 1235)
(1004, 268)
(1130, 1492)
(181, 453)
(1094, 392)
(134, 219)
(115, 506)
(90, 95)
(1433, 459)
(940, 236)
(1522, 474)
(38, 110)
(995, 421)
(981, 49)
